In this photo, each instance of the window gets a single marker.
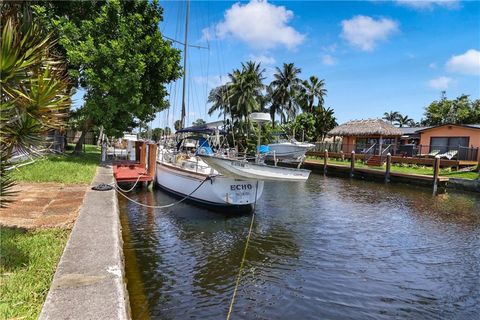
(445, 144)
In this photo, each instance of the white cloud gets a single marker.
(428, 4)
(467, 63)
(364, 32)
(263, 59)
(259, 24)
(212, 81)
(440, 83)
(328, 60)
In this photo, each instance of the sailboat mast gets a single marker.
(185, 47)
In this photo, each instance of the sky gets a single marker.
(374, 56)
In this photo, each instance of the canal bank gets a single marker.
(89, 280)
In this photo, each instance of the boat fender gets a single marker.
(102, 187)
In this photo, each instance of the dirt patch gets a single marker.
(44, 205)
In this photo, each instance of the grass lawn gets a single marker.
(62, 168)
(27, 264)
(406, 169)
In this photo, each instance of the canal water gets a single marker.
(329, 248)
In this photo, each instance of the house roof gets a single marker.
(412, 130)
(365, 127)
(472, 126)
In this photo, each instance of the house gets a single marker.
(361, 135)
(461, 139)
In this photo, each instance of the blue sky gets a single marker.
(375, 56)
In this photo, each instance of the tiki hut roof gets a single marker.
(366, 127)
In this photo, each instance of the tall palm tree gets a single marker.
(325, 121)
(312, 89)
(404, 121)
(219, 99)
(286, 88)
(275, 107)
(34, 88)
(391, 116)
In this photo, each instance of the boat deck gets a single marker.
(131, 171)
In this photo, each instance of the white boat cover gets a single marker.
(242, 169)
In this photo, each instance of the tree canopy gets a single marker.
(117, 54)
(461, 110)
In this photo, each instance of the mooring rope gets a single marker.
(240, 271)
(134, 185)
(165, 206)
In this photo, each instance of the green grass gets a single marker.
(473, 174)
(62, 168)
(27, 264)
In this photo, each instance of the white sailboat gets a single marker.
(181, 172)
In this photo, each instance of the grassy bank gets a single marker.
(28, 261)
(406, 169)
(62, 168)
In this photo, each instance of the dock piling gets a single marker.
(325, 161)
(342, 155)
(387, 170)
(436, 172)
(352, 163)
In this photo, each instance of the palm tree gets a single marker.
(314, 89)
(34, 89)
(177, 125)
(286, 88)
(391, 116)
(325, 121)
(275, 108)
(219, 99)
(404, 121)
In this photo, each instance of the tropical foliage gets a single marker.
(34, 88)
(461, 110)
(297, 103)
(117, 55)
(396, 118)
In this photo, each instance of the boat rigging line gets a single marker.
(240, 271)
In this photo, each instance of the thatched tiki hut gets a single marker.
(360, 135)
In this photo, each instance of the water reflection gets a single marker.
(328, 248)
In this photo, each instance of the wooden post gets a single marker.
(436, 171)
(152, 162)
(387, 170)
(352, 163)
(478, 156)
(342, 155)
(325, 161)
(143, 154)
(137, 150)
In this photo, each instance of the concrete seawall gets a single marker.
(89, 281)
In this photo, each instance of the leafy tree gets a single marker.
(33, 88)
(198, 122)
(117, 55)
(302, 128)
(391, 116)
(167, 131)
(459, 111)
(286, 88)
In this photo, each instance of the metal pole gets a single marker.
(185, 47)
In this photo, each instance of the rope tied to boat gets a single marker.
(242, 262)
(120, 191)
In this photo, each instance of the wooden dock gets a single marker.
(137, 171)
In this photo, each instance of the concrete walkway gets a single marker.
(43, 205)
(89, 281)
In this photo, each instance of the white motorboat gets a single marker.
(243, 169)
(285, 149)
(186, 174)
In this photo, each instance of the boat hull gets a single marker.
(246, 170)
(217, 191)
(288, 150)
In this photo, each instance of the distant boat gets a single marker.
(288, 149)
